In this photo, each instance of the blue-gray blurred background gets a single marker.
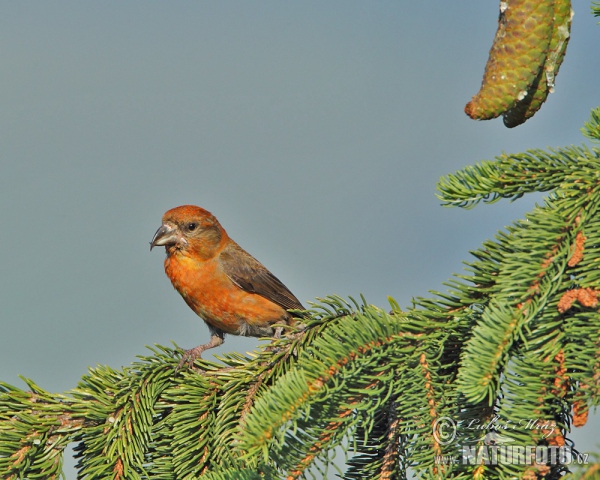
(315, 131)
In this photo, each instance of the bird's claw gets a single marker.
(189, 357)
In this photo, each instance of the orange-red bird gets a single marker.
(226, 286)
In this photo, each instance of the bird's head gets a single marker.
(189, 229)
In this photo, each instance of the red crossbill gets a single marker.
(227, 287)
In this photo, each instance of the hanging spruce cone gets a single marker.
(527, 52)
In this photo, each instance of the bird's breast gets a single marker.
(213, 296)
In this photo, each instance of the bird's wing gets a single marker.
(250, 275)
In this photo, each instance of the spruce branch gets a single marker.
(514, 341)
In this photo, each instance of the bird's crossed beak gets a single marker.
(166, 235)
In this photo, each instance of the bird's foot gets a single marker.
(274, 347)
(189, 356)
(216, 339)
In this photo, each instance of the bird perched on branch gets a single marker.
(227, 287)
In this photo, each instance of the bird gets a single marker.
(221, 282)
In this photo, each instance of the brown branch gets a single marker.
(577, 250)
(580, 410)
(390, 456)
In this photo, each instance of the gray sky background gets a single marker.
(314, 131)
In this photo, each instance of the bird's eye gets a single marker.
(192, 226)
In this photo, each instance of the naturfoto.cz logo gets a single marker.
(495, 448)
